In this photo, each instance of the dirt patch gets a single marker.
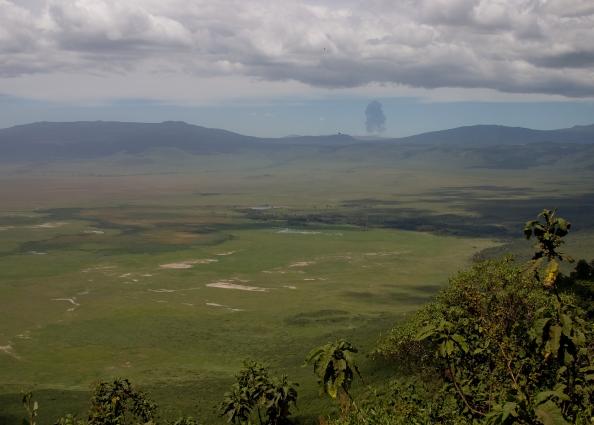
(302, 264)
(50, 225)
(223, 306)
(8, 350)
(298, 232)
(385, 253)
(70, 300)
(98, 269)
(187, 264)
(229, 284)
(223, 254)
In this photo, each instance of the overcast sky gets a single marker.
(275, 67)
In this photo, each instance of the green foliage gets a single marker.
(279, 397)
(118, 403)
(507, 349)
(254, 389)
(32, 408)
(70, 419)
(402, 402)
(334, 365)
(185, 420)
(112, 402)
(548, 234)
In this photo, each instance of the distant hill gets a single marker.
(52, 140)
(501, 135)
(47, 141)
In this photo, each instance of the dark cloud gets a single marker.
(375, 120)
(533, 46)
(580, 59)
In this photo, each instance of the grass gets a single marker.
(365, 245)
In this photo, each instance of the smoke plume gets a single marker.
(375, 121)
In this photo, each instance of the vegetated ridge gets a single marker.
(45, 141)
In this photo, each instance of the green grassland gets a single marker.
(92, 257)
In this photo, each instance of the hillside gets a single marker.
(46, 141)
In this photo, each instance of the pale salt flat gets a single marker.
(50, 225)
(70, 300)
(8, 350)
(302, 264)
(385, 253)
(225, 284)
(98, 269)
(24, 335)
(188, 264)
(223, 306)
(298, 232)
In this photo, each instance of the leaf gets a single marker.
(550, 414)
(543, 396)
(554, 342)
(425, 332)
(540, 327)
(551, 274)
(461, 341)
(509, 409)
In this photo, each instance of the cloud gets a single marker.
(511, 46)
(375, 120)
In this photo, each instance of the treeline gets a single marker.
(504, 343)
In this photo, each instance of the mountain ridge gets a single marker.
(90, 139)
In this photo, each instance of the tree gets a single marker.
(112, 401)
(548, 233)
(334, 365)
(279, 397)
(255, 389)
(32, 408)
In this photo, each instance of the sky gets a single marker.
(280, 67)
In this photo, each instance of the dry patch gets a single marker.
(98, 269)
(50, 225)
(298, 232)
(222, 306)
(70, 300)
(226, 253)
(302, 264)
(229, 284)
(24, 335)
(289, 287)
(8, 350)
(385, 253)
(94, 232)
(3, 228)
(188, 264)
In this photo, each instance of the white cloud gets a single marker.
(510, 46)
